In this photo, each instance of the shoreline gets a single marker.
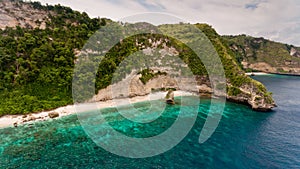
(257, 73)
(285, 74)
(269, 73)
(16, 120)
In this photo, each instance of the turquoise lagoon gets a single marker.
(243, 139)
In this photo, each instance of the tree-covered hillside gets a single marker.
(37, 63)
(259, 54)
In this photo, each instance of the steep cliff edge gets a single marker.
(240, 88)
(24, 15)
(252, 93)
(259, 54)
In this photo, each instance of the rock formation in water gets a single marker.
(170, 97)
(247, 94)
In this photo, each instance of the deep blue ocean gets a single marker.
(243, 139)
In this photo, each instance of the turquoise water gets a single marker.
(243, 139)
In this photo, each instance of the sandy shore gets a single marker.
(256, 73)
(15, 120)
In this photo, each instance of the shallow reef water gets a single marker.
(243, 139)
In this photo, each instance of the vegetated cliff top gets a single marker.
(32, 15)
(259, 54)
(37, 63)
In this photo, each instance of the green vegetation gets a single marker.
(231, 63)
(232, 70)
(234, 91)
(148, 74)
(36, 65)
(108, 66)
(33, 98)
(253, 50)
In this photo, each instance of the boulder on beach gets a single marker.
(53, 115)
(28, 118)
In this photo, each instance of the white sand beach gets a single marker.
(256, 73)
(16, 120)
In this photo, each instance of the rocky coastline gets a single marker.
(28, 119)
(249, 94)
(155, 89)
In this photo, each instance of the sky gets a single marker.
(277, 20)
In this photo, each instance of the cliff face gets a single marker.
(255, 95)
(288, 67)
(259, 54)
(294, 52)
(240, 88)
(249, 95)
(132, 86)
(18, 13)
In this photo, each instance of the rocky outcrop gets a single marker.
(259, 66)
(256, 102)
(53, 115)
(294, 52)
(17, 120)
(252, 94)
(18, 13)
(289, 67)
(170, 97)
(132, 86)
(204, 90)
(249, 94)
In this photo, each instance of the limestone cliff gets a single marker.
(240, 88)
(259, 54)
(25, 15)
(253, 95)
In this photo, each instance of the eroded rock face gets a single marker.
(289, 67)
(260, 66)
(132, 86)
(250, 95)
(294, 52)
(14, 13)
(260, 104)
(205, 90)
(170, 97)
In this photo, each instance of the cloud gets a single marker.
(277, 20)
(113, 9)
(254, 4)
(251, 6)
(151, 6)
